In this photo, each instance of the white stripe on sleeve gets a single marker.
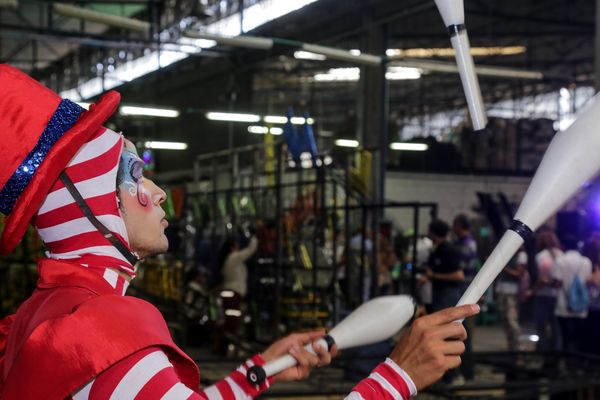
(178, 392)
(354, 396)
(386, 385)
(407, 379)
(135, 379)
(237, 391)
(84, 392)
(212, 392)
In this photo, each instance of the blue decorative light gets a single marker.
(62, 120)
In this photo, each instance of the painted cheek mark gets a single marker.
(143, 196)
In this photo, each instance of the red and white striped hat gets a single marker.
(63, 226)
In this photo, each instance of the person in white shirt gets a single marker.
(546, 290)
(566, 268)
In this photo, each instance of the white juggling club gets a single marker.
(372, 322)
(453, 14)
(571, 159)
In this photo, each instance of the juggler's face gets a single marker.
(140, 205)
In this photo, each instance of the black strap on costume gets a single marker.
(115, 241)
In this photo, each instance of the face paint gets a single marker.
(130, 177)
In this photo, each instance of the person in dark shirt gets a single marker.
(443, 268)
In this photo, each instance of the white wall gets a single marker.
(453, 193)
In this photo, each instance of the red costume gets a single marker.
(78, 335)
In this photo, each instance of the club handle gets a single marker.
(257, 374)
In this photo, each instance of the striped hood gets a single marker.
(61, 224)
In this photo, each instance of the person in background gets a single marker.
(507, 292)
(546, 290)
(443, 268)
(235, 284)
(466, 247)
(569, 266)
(446, 275)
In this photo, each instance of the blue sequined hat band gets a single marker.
(63, 119)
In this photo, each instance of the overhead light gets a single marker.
(274, 119)
(301, 121)
(342, 55)
(409, 146)
(280, 119)
(232, 117)
(338, 74)
(86, 14)
(261, 130)
(149, 112)
(165, 145)
(449, 52)
(307, 55)
(233, 313)
(353, 74)
(250, 42)
(346, 143)
(402, 73)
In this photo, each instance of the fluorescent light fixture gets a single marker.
(250, 42)
(353, 74)
(227, 293)
(261, 130)
(346, 143)
(86, 14)
(274, 119)
(149, 112)
(307, 55)
(165, 145)
(233, 313)
(408, 146)
(343, 55)
(402, 73)
(279, 119)
(232, 117)
(301, 121)
(449, 52)
(338, 75)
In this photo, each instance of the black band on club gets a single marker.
(79, 200)
(330, 342)
(521, 229)
(454, 30)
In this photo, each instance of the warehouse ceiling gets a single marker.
(554, 38)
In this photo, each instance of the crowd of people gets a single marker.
(562, 281)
